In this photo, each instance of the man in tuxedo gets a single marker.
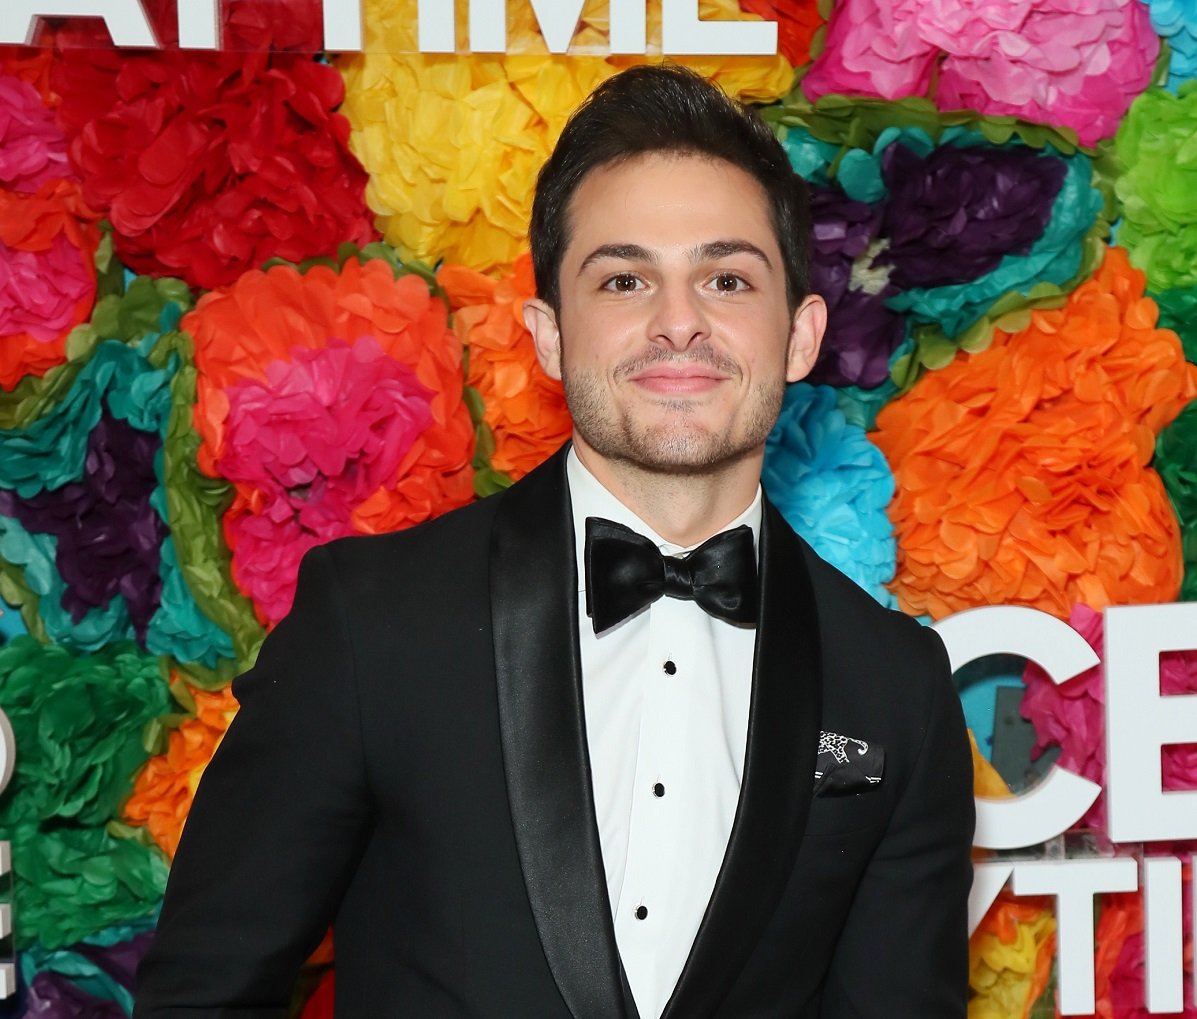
(615, 742)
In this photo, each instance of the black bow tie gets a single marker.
(625, 572)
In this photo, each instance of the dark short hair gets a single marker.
(665, 108)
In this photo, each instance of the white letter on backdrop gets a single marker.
(343, 25)
(1163, 945)
(488, 26)
(558, 21)
(125, 19)
(1140, 721)
(988, 878)
(1074, 883)
(683, 32)
(628, 26)
(1060, 798)
(199, 24)
(436, 30)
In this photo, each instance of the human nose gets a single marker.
(678, 319)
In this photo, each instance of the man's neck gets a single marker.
(684, 508)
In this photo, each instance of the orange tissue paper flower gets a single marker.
(333, 401)
(1023, 472)
(524, 408)
(164, 788)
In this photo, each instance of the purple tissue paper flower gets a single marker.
(847, 268)
(952, 215)
(109, 534)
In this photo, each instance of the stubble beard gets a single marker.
(675, 446)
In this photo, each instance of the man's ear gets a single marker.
(806, 336)
(546, 336)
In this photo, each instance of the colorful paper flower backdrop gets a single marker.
(832, 485)
(332, 400)
(418, 119)
(85, 527)
(1076, 65)
(928, 234)
(1002, 412)
(208, 164)
(1023, 471)
(524, 410)
(78, 721)
(48, 242)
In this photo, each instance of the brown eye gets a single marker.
(624, 283)
(727, 282)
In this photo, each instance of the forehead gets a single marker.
(662, 201)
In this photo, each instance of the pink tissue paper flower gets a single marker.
(306, 448)
(40, 290)
(1073, 63)
(1072, 717)
(32, 148)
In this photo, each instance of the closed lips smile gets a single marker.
(693, 378)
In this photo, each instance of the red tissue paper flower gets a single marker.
(333, 403)
(210, 163)
(797, 22)
(48, 241)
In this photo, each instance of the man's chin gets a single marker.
(680, 455)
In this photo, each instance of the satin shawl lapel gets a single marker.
(534, 598)
(779, 767)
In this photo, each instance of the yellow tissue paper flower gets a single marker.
(986, 779)
(453, 143)
(1010, 959)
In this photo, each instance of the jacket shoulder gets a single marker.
(851, 619)
(452, 547)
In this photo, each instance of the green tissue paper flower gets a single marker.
(1178, 312)
(69, 883)
(1176, 461)
(77, 721)
(1157, 146)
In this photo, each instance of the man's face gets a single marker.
(674, 339)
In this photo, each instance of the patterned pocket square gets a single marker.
(845, 766)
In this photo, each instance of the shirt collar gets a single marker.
(589, 498)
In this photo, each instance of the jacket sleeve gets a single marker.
(904, 948)
(276, 828)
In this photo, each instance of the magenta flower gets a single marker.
(305, 448)
(1072, 716)
(32, 148)
(40, 290)
(1077, 63)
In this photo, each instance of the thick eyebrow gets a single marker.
(625, 252)
(711, 251)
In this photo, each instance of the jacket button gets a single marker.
(670, 668)
(641, 912)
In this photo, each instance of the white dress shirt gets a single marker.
(666, 696)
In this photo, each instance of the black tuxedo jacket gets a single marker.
(409, 763)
